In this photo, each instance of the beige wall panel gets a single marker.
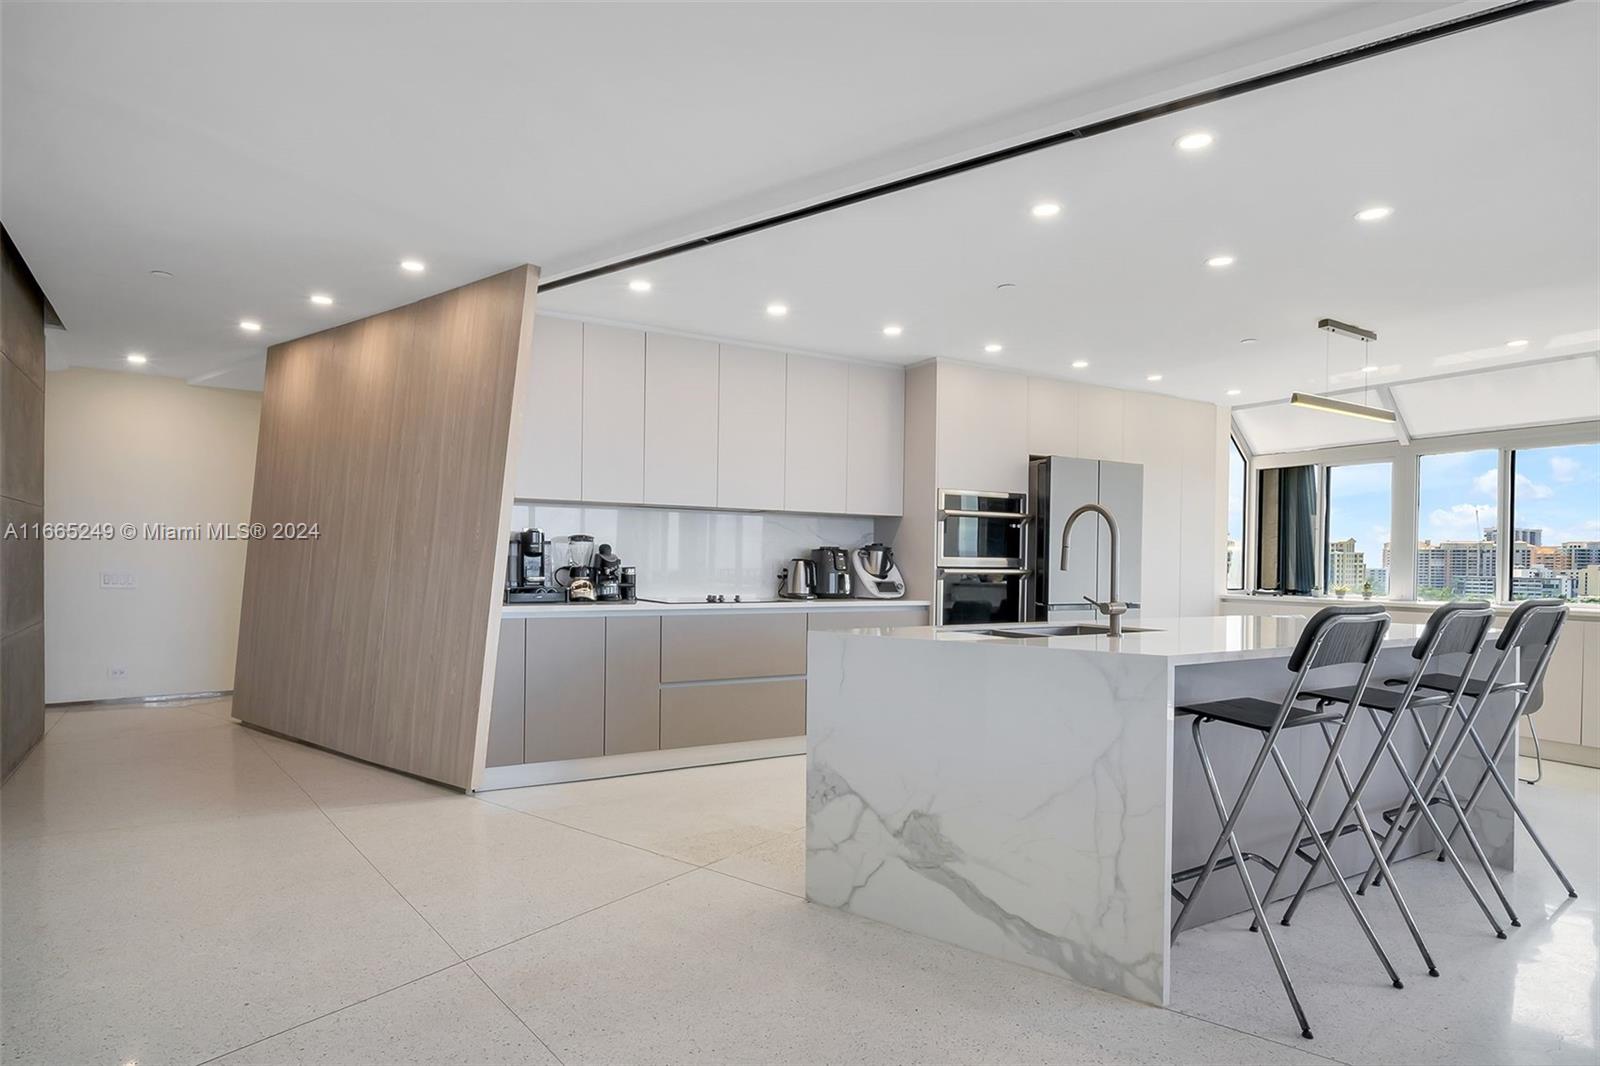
(391, 434)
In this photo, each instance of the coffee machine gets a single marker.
(613, 582)
(577, 577)
(527, 570)
(831, 572)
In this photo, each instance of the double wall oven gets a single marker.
(983, 557)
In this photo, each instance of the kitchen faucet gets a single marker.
(1113, 609)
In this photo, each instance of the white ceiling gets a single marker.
(260, 152)
(1486, 144)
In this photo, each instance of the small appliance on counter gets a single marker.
(527, 573)
(831, 572)
(579, 571)
(613, 582)
(876, 575)
(798, 581)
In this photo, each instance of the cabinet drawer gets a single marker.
(692, 715)
(733, 645)
(889, 618)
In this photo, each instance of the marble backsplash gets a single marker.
(687, 554)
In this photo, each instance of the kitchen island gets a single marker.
(1029, 798)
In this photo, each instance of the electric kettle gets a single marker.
(799, 581)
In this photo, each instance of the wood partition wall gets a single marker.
(390, 435)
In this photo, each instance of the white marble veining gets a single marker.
(688, 553)
(1211, 639)
(948, 794)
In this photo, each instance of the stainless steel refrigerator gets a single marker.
(1058, 486)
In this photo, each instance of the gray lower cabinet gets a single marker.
(886, 617)
(733, 645)
(564, 689)
(505, 709)
(692, 715)
(633, 684)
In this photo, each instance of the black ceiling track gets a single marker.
(1333, 61)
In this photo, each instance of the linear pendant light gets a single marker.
(1318, 402)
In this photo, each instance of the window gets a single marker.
(1235, 546)
(1555, 523)
(1457, 495)
(1356, 548)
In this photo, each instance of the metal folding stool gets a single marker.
(1530, 633)
(1334, 636)
(1455, 629)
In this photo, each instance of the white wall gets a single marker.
(122, 447)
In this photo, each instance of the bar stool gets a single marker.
(1334, 636)
(1529, 638)
(1455, 629)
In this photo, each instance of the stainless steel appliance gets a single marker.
(798, 581)
(527, 570)
(613, 582)
(1069, 585)
(876, 576)
(579, 571)
(982, 549)
(831, 573)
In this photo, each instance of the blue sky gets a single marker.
(1558, 490)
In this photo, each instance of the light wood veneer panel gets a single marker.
(390, 433)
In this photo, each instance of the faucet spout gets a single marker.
(1113, 608)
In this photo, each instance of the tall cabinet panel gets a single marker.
(549, 450)
(816, 435)
(750, 420)
(633, 684)
(875, 481)
(613, 414)
(680, 436)
(564, 689)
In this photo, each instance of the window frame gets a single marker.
(1245, 566)
(1325, 526)
(1406, 459)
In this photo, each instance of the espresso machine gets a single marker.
(613, 582)
(528, 577)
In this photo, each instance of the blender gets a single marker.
(578, 577)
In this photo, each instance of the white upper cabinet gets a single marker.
(817, 427)
(680, 427)
(875, 474)
(751, 408)
(1052, 417)
(983, 429)
(613, 414)
(548, 456)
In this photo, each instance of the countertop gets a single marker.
(569, 610)
(1211, 639)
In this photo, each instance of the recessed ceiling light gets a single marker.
(993, 348)
(137, 358)
(321, 299)
(1376, 213)
(892, 331)
(639, 285)
(1079, 364)
(413, 266)
(1152, 377)
(1219, 261)
(1518, 343)
(1247, 340)
(1234, 392)
(777, 310)
(1046, 210)
(164, 275)
(1194, 142)
(249, 325)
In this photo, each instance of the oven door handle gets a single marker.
(997, 570)
(1010, 515)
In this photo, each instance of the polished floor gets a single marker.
(175, 888)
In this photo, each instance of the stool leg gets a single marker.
(1415, 794)
(1538, 756)
(1316, 794)
(1244, 876)
(1333, 868)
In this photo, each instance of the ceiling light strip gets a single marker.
(1340, 407)
(1294, 72)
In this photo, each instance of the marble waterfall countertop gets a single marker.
(1180, 641)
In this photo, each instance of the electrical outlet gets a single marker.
(118, 579)
(117, 673)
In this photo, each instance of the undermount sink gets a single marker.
(1079, 630)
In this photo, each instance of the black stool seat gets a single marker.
(1257, 714)
(1375, 696)
(1448, 683)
